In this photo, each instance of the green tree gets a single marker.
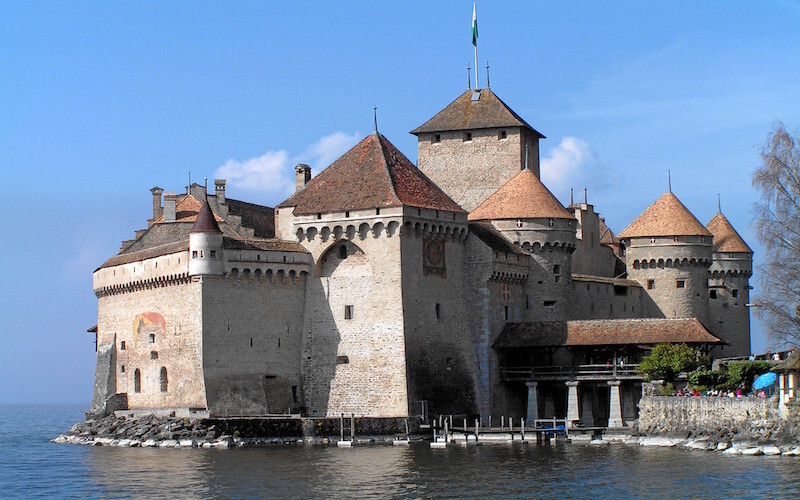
(777, 217)
(666, 361)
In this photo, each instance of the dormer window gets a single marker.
(467, 136)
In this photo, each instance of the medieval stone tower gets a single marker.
(729, 288)
(475, 145)
(669, 253)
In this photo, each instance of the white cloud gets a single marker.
(273, 172)
(573, 164)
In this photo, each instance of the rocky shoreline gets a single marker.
(744, 447)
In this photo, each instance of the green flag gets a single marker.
(474, 25)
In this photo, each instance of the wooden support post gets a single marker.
(408, 436)
(341, 427)
(522, 427)
(476, 430)
(490, 422)
(352, 427)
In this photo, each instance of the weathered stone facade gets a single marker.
(382, 290)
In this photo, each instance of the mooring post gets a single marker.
(352, 427)
(408, 437)
(476, 429)
(522, 427)
(445, 431)
(490, 422)
(433, 426)
(502, 422)
(341, 427)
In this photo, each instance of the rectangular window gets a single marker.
(557, 278)
(342, 360)
(194, 254)
(620, 290)
(712, 294)
(651, 284)
(122, 368)
(438, 310)
(527, 302)
(213, 254)
(348, 312)
(680, 284)
(437, 138)
(556, 269)
(549, 303)
(734, 293)
(467, 136)
(122, 345)
(503, 135)
(151, 338)
(153, 354)
(347, 214)
(505, 312)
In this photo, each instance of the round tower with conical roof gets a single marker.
(668, 251)
(205, 244)
(528, 214)
(729, 288)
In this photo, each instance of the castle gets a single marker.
(385, 289)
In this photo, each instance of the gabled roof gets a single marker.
(186, 209)
(205, 222)
(666, 217)
(726, 239)
(605, 332)
(373, 174)
(523, 197)
(466, 113)
(607, 236)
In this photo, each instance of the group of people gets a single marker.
(720, 393)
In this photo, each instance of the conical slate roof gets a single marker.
(523, 197)
(666, 217)
(726, 239)
(205, 221)
(373, 174)
(474, 109)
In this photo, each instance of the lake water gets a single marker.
(30, 466)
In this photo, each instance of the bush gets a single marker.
(708, 378)
(666, 361)
(744, 372)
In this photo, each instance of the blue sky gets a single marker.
(100, 101)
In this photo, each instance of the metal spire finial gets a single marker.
(719, 204)
(571, 199)
(487, 75)
(669, 180)
(469, 77)
(375, 117)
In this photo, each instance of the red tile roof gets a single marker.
(607, 332)
(373, 174)
(467, 114)
(726, 239)
(523, 197)
(666, 217)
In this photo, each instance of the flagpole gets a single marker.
(475, 41)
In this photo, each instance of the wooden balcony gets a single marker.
(578, 372)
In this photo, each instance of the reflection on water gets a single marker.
(30, 466)
(418, 471)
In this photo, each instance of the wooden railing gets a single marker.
(525, 373)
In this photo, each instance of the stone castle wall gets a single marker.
(603, 300)
(470, 171)
(161, 328)
(730, 316)
(252, 330)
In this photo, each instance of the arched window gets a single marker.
(137, 381)
(163, 378)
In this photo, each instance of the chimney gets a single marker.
(170, 200)
(157, 211)
(219, 188)
(302, 177)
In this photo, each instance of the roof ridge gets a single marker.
(385, 165)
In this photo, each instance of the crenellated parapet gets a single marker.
(325, 231)
(143, 284)
(265, 275)
(540, 234)
(670, 263)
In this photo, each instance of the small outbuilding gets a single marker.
(788, 379)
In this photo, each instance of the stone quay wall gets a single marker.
(719, 418)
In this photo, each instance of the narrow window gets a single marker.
(319, 215)
(438, 309)
(347, 214)
(557, 269)
(419, 212)
(348, 312)
(467, 136)
(527, 302)
(213, 254)
(342, 252)
(734, 293)
(505, 312)
(377, 211)
(284, 258)
(201, 254)
(712, 294)
(137, 381)
(251, 341)
(681, 284)
(557, 278)
(702, 239)
(651, 284)
(151, 338)
(437, 138)
(122, 368)
(162, 377)
(153, 354)
(503, 135)
(122, 345)
(549, 303)
(194, 254)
